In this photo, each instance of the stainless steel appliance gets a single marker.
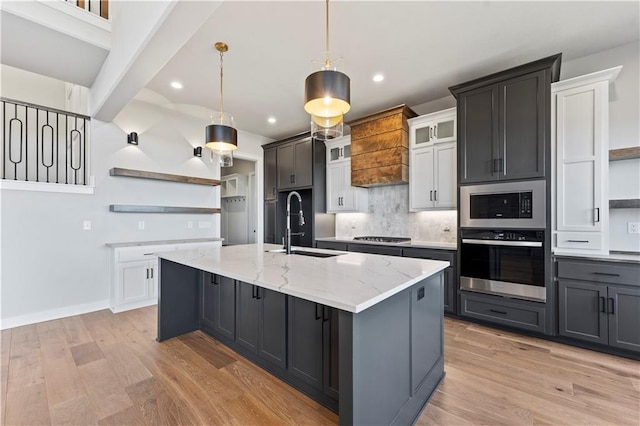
(508, 205)
(397, 240)
(505, 263)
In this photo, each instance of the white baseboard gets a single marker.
(53, 314)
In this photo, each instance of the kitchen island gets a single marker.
(362, 334)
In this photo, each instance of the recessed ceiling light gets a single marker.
(378, 78)
(176, 85)
(272, 120)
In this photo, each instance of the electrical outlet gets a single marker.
(633, 227)
(190, 224)
(141, 224)
(86, 225)
(446, 227)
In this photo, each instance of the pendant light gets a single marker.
(327, 96)
(220, 136)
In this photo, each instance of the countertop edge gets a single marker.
(611, 257)
(163, 242)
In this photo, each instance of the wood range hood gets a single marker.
(380, 148)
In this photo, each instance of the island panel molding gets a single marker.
(128, 208)
(143, 174)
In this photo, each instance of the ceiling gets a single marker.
(421, 47)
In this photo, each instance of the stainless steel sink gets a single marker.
(305, 253)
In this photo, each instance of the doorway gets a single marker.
(238, 203)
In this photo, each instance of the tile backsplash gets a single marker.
(389, 216)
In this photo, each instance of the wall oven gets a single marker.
(505, 263)
(505, 205)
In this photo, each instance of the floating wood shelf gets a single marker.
(127, 208)
(632, 203)
(624, 153)
(142, 174)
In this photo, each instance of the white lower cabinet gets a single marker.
(134, 274)
(432, 177)
(580, 135)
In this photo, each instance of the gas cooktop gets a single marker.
(383, 239)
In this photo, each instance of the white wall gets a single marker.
(51, 267)
(33, 88)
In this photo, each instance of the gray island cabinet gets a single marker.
(362, 334)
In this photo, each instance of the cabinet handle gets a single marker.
(341, 153)
(151, 272)
(596, 214)
(602, 307)
(291, 178)
(612, 306)
(435, 195)
(147, 273)
(578, 241)
(325, 309)
(435, 131)
(273, 190)
(497, 312)
(318, 316)
(606, 274)
(253, 291)
(430, 195)
(258, 293)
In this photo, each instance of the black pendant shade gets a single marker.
(221, 138)
(327, 93)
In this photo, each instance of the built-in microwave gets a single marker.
(506, 205)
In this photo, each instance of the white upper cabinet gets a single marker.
(433, 128)
(341, 196)
(432, 161)
(580, 136)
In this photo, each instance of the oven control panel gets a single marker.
(504, 235)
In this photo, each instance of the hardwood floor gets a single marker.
(104, 368)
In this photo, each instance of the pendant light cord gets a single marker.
(327, 63)
(221, 94)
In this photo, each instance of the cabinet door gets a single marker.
(624, 317)
(270, 222)
(421, 179)
(445, 182)
(478, 126)
(331, 354)
(225, 305)
(247, 316)
(303, 167)
(134, 281)
(273, 326)
(349, 193)
(522, 123)
(305, 341)
(579, 138)
(422, 134)
(286, 173)
(582, 308)
(270, 174)
(444, 129)
(208, 300)
(334, 188)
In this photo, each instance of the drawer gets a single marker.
(445, 255)
(129, 254)
(331, 245)
(372, 249)
(604, 272)
(579, 240)
(503, 311)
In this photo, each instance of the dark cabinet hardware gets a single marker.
(435, 195)
(253, 291)
(611, 306)
(258, 293)
(318, 315)
(577, 241)
(597, 214)
(497, 312)
(602, 305)
(325, 314)
(606, 274)
(435, 131)
(430, 195)
(147, 273)
(292, 178)
(151, 272)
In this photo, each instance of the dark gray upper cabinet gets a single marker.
(504, 123)
(295, 164)
(270, 174)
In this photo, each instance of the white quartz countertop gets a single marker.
(613, 256)
(160, 242)
(440, 245)
(350, 281)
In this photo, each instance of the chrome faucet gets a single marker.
(287, 239)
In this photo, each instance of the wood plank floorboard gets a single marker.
(104, 368)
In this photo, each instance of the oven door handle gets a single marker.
(503, 243)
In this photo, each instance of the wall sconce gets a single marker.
(197, 152)
(132, 138)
